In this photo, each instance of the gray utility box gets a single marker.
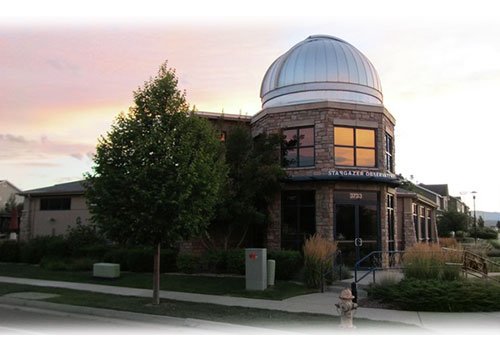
(256, 268)
(106, 270)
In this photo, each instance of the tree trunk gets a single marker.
(156, 276)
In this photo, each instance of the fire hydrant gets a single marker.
(346, 308)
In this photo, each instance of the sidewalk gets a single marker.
(318, 303)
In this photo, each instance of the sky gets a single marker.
(67, 71)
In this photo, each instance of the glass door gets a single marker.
(357, 226)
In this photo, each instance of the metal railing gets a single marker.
(377, 260)
(336, 263)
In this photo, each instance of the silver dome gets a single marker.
(321, 68)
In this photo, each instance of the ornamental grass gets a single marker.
(425, 261)
(318, 259)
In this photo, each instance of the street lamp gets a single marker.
(475, 229)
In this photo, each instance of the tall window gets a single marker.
(55, 203)
(423, 231)
(299, 147)
(390, 220)
(298, 219)
(415, 219)
(389, 162)
(354, 147)
(428, 214)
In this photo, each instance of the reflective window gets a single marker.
(298, 149)
(55, 203)
(298, 219)
(389, 163)
(355, 147)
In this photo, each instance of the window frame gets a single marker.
(288, 238)
(355, 147)
(55, 203)
(298, 147)
(389, 152)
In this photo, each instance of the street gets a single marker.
(20, 320)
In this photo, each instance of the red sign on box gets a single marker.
(252, 256)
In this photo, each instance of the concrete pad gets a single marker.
(31, 295)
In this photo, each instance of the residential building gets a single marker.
(51, 210)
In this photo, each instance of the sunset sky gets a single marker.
(65, 75)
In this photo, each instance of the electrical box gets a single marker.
(256, 268)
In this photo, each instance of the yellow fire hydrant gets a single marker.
(346, 308)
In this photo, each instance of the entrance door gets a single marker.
(356, 226)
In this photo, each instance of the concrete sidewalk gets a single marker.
(317, 303)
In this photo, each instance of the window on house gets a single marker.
(299, 147)
(298, 219)
(423, 230)
(390, 221)
(355, 147)
(55, 203)
(389, 162)
(429, 227)
(415, 220)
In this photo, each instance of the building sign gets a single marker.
(362, 173)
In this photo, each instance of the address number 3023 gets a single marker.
(355, 195)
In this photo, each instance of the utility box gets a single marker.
(256, 268)
(106, 270)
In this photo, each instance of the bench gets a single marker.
(106, 270)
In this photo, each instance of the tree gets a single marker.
(480, 221)
(157, 173)
(452, 221)
(254, 178)
(498, 224)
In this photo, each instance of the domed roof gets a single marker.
(321, 68)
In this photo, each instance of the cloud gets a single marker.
(20, 149)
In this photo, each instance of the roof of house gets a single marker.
(441, 189)
(75, 187)
(401, 192)
(10, 184)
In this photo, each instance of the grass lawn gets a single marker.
(279, 320)
(231, 286)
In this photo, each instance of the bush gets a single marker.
(484, 233)
(214, 261)
(188, 263)
(36, 248)
(428, 261)
(168, 260)
(117, 256)
(342, 272)
(288, 263)
(318, 254)
(140, 259)
(78, 264)
(9, 251)
(83, 235)
(494, 253)
(91, 251)
(235, 262)
(439, 296)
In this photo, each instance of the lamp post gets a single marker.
(474, 201)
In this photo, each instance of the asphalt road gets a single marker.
(21, 320)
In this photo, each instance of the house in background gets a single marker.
(8, 192)
(51, 210)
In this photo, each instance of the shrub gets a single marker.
(494, 253)
(9, 251)
(342, 272)
(188, 263)
(140, 259)
(288, 263)
(318, 254)
(78, 264)
(439, 296)
(92, 251)
(484, 233)
(449, 243)
(168, 260)
(428, 261)
(83, 235)
(117, 256)
(495, 243)
(36, 248)
(235, 261)
(214, 261)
